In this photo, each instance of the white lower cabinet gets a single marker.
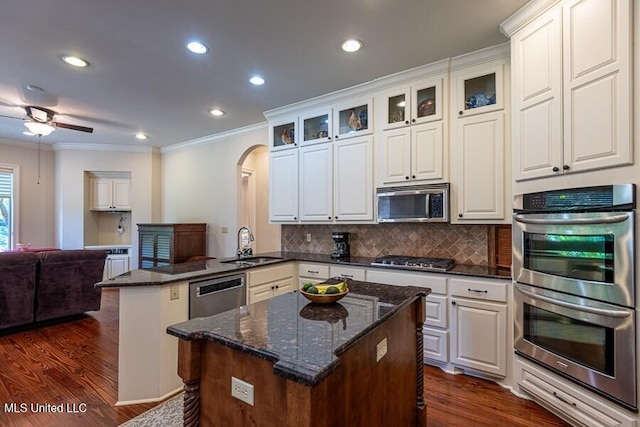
(267, 282)
(566, 400)
(314, 273)
(478, 322)
(115, 265)
(347, 272)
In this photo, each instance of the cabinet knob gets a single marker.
(337, 136)
(565, 167)
(406, 122)
(329, 138)
(277, 286)
(413, 176)
(413, 120)
(406, 177)
(453, 303)
(336, 216)
(460, 113)
(555, 169)
(329, 217)
(295, 218)
(459, 215)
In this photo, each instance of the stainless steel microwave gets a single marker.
(418, 203)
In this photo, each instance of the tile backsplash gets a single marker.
(467, 244)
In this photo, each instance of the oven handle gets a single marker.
(592, 310)
(575, 221)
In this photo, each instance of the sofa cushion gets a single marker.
(66, 282)
(17, 288)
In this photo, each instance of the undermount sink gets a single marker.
(251, 260)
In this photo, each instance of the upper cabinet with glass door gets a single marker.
(479, 90)
(282, 134)
(419, 103)
(316, 127)
(353, 118)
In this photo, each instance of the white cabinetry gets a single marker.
(115, 265)
(316, 182)
(478, 321)
(479, 175)
(572, 89)
(110, 194)
(267, 282)
(354, 273)
(435, 328)
(314, 273)
(353, 179)
(574, 404)
(353, 118)
(283, 186)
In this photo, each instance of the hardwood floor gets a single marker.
(75, 364)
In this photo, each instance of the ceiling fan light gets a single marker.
(41, 129)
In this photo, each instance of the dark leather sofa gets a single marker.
(48, 285)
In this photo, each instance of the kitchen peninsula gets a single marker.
(355, 362)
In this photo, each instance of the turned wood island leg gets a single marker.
(189, 358)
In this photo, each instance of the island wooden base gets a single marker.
(360, 392)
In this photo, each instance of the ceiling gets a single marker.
(142, 78)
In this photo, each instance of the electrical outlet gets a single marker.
(308, 237)
(381, 349)
(225, 229)
(174, 291)
(242, 390)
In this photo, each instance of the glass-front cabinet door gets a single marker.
(419, 103)
(315, 127)
(353, 118)
(282, 134)
(480, 90)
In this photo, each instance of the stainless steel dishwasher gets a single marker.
(215, 295)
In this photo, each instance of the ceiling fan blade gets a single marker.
(71, 127)
(12, 117)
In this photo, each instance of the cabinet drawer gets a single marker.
(262, 275)
(566, 400)
(436, 311)
(479, 289)
(316, 271)
(436, 344)
(347, 273)
(437, 284)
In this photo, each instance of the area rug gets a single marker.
(166, 414)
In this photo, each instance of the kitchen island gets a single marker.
(355, 362)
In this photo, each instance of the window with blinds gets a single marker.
(6, 208)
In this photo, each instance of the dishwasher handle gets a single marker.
(213, 287)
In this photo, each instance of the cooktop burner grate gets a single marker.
(422, 263)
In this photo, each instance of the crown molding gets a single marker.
(26, 144)
(501, 51)
(215, 137)
(524, 15)
(63, 146)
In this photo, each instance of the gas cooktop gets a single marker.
(427, 264)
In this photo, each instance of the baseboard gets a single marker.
(151, 400)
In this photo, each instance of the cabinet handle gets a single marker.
(348, 276)
(453, 303)
(313, 272)
(406, 122)
(459, 215)
(329, 138)
(460, 113)
(406, 177)
(413, 120)
(337, 136)
(295, 218)
(555, 169)
(277, 286)
(413, 177)
(565, 167)
(562, 399)
(478, 291)
(329, 217)
(336, 216)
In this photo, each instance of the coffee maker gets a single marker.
(340, 244)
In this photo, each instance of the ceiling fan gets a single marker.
(39, 116)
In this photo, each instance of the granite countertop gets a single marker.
(303, 339)
(201, 269)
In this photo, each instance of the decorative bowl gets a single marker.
(324, 298)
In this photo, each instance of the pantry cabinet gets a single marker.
(478, 144)
(572, 90)
(110, 194)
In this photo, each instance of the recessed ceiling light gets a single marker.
(197, 47)
(216, 112)
(351, 45)
(141, 136)
(75, 61)
(256, 80)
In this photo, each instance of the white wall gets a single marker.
(200, 184)
(36, 201)
(70, 165)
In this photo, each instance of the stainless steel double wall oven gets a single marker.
(575, 296)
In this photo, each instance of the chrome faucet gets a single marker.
(244, 250)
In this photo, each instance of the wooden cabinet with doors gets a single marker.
(164, 244)
(572, 88)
